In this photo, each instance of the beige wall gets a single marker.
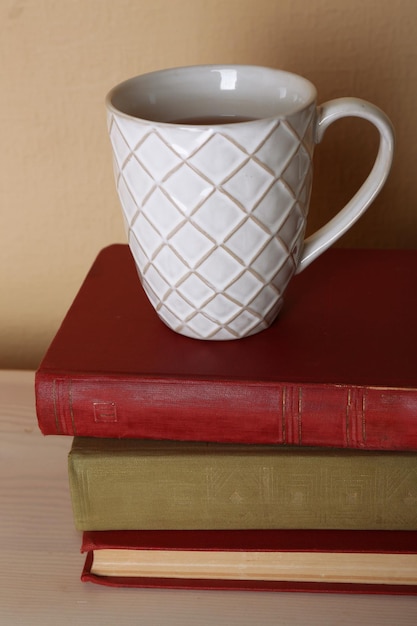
(58, 58)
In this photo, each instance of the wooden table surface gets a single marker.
(41, 562)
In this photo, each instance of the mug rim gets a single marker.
(309, 89)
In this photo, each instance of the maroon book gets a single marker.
(337, 368)
(300, 543)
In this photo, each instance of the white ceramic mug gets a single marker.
(213, 170)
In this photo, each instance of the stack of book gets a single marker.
(282, 461)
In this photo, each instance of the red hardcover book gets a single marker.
(338, 367)
(272, 560)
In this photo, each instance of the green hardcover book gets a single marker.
(130, 484)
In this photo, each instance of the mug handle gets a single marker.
(328, 113)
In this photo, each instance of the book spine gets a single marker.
(287, 540)
(369, 418)
(54, 409)
(214, 487)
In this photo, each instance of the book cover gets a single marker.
(338, 368)
(128, 484)
(274, 560)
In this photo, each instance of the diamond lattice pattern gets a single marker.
(215, 219)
